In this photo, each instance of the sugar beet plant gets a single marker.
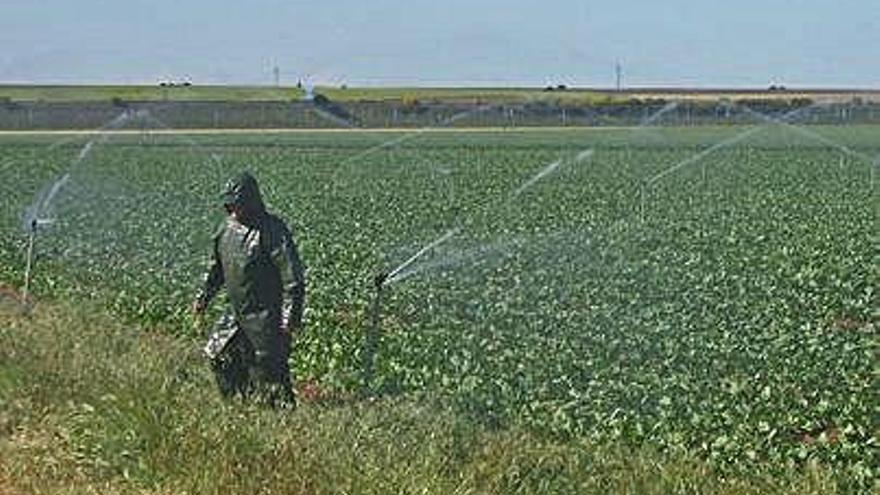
(728, 308)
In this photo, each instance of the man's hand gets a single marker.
(290, 327)
(199, 307)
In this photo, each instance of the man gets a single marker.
(256, 257)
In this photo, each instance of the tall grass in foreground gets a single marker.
(88, 405)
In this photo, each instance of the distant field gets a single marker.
(585, 96)
(22, 93)
(468, 95)
(147, 93)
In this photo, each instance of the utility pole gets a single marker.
(618, 71)
(277, 73)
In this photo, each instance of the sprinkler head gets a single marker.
(380, 279)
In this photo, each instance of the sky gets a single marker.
(683, 43)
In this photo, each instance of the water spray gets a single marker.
(873, 172)
(371, 339)
(395, 273)
(735, 139)
(447, 122)
(785, 121)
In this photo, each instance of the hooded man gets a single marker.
(256, 258)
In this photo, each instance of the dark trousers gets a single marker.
(260, 373)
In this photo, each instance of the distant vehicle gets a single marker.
(172, 84)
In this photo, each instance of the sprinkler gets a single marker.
(29, 264)
(371, 339)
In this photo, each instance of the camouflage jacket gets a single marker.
(261, 268)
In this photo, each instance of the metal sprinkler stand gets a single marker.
(28, 265)
(371, 338)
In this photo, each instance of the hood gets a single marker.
(244, 192)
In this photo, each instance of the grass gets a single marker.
(90, 405)
(97, 93)
(86, 93)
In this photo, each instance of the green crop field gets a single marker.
(643, 288)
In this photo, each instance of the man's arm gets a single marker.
(212, 283)
(293, 285)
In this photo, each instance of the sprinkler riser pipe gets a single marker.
(371, 337)
(29, 263)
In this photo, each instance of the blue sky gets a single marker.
(441, 43)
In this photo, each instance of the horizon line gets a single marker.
(778, 87)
